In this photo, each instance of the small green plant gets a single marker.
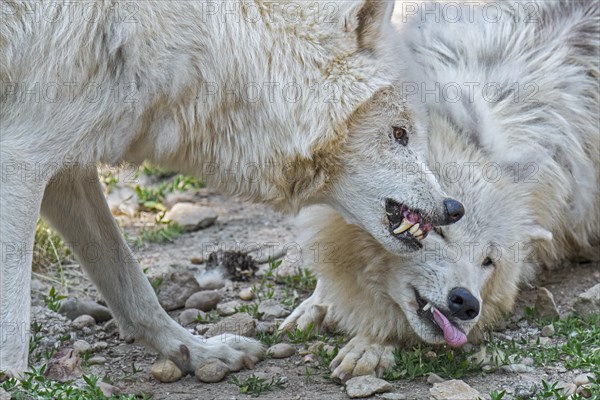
(303, 281)
(495, 395)
(37, 386)
(299, 336)
(250, 308)
(155, 282)
(53, 299)
(209, 318)
(269, 339)
(164, 231)
(255, 386)
(109, 179)
(49, 248)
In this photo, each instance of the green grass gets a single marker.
(255, 386)
(152, 198)
(37, 386)
(49, 248)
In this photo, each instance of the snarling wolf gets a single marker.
(514, 134)
(304, 102)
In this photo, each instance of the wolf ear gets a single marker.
(537, 232)
(372, 17)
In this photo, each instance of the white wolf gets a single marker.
(284, 103)
(523, 157)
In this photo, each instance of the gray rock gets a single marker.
(265, 327)
(97, 360)
(228, 308)
(99, 346)
(433, 378)
(393, 396)
(517, 368)
(179, 197)
(82, 347)
(548, 331)
(583, 379)
(190, 316)
(213, 371)
(191, 216)
(588, 302)
(545, 304)
(176, 288)
(365, 386)
(65, 365)
(528, 361)
(204, 300)
(271, 309)
(165, 371)
(525, 390)
(453, 390)
(83, 321)
(74, 308)
(239, 324)
(246, 294)
(107, 389)
(281, 350)
(568, 389)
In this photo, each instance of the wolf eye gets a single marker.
(487, 262)
(401, 135)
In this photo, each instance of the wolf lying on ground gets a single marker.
(524, 159)
(281, 103)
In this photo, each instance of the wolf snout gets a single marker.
(454, 210)
(463, 304)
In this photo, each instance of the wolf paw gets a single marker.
(361, 357)
(304, 315)
(190, 352)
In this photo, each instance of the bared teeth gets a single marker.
(427, 307)
(418, 233)
(414, 229)
(403, 227)
(420, 237)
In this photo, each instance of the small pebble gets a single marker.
(99, 346)
(548, 331)
(190, 316)
(583, 379)
(228, 308)
(213, 371)
(246, 294)
(83, 321)
(165, 371)
(364, 386)
(528, 361)
(107, 389)
(82, 346)
(281, 350)
(433, 378)
(568, 389)
(97, 360)
(204, 300)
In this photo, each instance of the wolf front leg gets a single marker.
(21, 191)
(75, 206)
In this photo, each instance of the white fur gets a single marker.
(166, 81)
(530, 219)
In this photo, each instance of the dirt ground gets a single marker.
(240, 223)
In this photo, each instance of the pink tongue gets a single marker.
(452, 335)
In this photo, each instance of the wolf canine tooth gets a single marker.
(414, 229)
(403, 227)
(427, 307)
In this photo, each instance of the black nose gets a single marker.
(463, 304)
(454, 210)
